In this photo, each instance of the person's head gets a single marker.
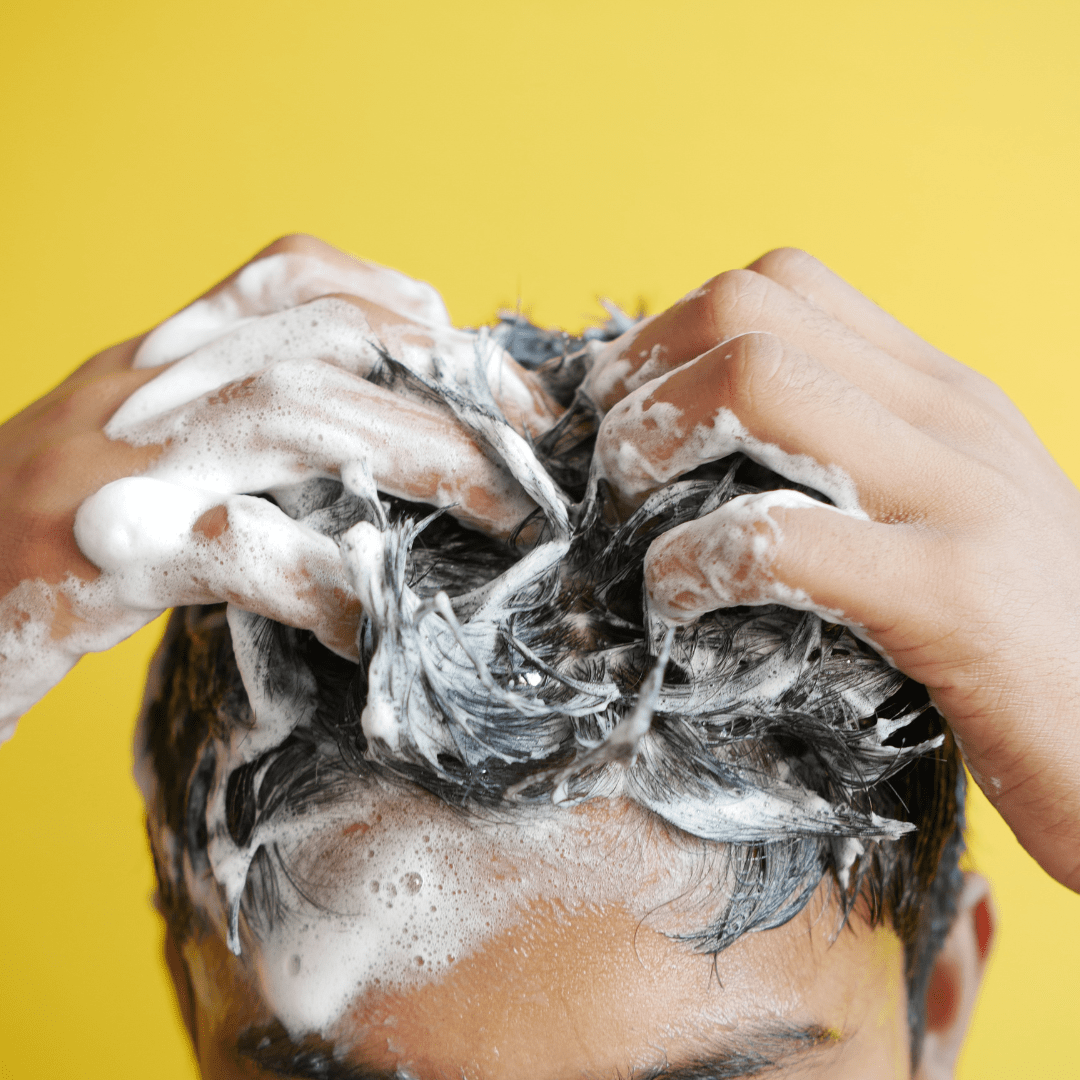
(532, 834)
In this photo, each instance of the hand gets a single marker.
(953, 545)
(129, 488)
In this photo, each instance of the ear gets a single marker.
(955, 980)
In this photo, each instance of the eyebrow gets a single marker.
(312, 1058)
(764, 1047)
(771, 1046)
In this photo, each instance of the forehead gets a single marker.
(412, 937)
(598, 993)
(387, 889)
(593, 992)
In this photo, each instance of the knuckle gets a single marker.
(116, 357)
(67, 413)
(786, 264)
(288, 375)
(736, 299)
(756, 366)
(609, 437)
(296, 244)
(984, 389)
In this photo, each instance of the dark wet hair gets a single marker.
(759, 706)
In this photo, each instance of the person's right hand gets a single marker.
(130, 487)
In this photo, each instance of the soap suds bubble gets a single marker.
(276, 319)
(280, 281)
(353, 938)
(646, 443)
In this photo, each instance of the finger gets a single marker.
(818, 285)
(739, 303)
(329, 329)
(785, 410)
(303, 419)
(815, 282)
(290, 272)
(387, 287)
(161, 545)
(791, 294)
(730, 304)
(782, 547)
(742, 301)
(356, 335)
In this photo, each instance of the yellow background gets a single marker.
(550, 152)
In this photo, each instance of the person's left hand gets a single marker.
(953, 542)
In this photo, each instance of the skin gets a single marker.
(956, 532)
(597, 990)
(285, 420)
(956, 554)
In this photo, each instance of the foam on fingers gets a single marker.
(161, 545)
(727, 558)
(329, 329)
(691, 416)
(280, 281)
(305, 418)
(783, 547)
